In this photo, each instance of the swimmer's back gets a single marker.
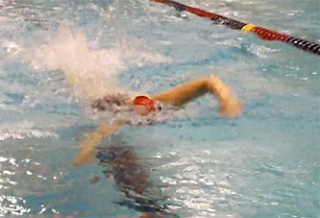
(113, 103)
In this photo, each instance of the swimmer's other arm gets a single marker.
(88, 149)
(230, 106)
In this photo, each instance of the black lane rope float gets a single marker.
(261, 32)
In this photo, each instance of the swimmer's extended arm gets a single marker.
(88, 149)
(229, 105)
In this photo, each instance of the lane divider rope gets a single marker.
(262, 33)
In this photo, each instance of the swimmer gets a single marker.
(145, 106)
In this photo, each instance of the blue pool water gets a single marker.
(262, 164)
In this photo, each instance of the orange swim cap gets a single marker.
(148, 103)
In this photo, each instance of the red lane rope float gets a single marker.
(262, 33)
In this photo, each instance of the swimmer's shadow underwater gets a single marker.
(120, 161)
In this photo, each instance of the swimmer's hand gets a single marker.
(230, 107)
(84, 158)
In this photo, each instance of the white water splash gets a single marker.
(91, 72)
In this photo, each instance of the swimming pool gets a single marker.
(263, 164)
